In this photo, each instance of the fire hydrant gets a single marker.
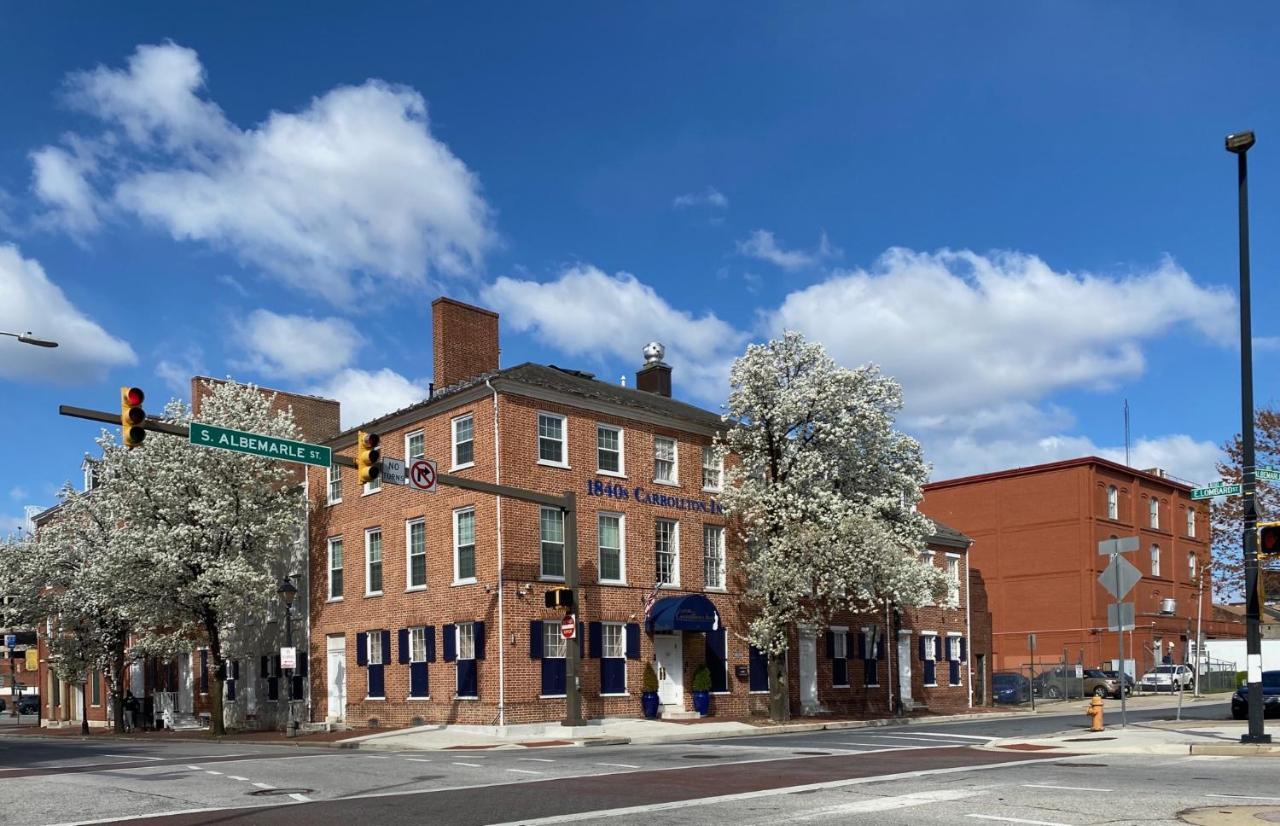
(1094, 710)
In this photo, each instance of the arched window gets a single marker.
(1155, 560)
(1154, 507)
(1113, 502)
(1191, 521)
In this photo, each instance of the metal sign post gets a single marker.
(1031, 644)
(1118, 579)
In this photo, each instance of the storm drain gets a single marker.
(279, 792)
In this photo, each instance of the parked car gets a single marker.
(1270, 697)
(1010, 687)
(1167, 678)
(1129, 682)
(1057, 683)
(2, 705)
(1097, 682)
(29, 704)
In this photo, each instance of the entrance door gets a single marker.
(808, 671)
(668, 650)
(904, 667)
(337, 676)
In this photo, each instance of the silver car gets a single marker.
(1167, 678)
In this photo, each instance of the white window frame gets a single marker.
(840, 636)
(721, 561)
(867, 643)
(1191, 522)
(453, 441)
(674, 481)
(675, 543)
(621, 472)
(564, 439)
(542, 573)
(329, 569)
(372, 487)
(620, 651)
(409, 525)
(1113, 502)
(1155, 559)
(953, 580)
(332, 474)
(622, 548)
(409, 455)
(1153, 510)
(952, 647)
(1191, 567)
(470, 638)
(930, 656)
(709, 451)
(926, 558)
(368, 562)
(457, 518)
(418, 645)
(370, 638)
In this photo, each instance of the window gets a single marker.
(610, 542)
(95, 686)
(374, 486)
(929, 657)
(464, 445)
(373, 562)
(335, 484)
(926, 559)
(551, 450)
(553, 650)
(713, 556)
(1155, 560)
(666, 549)
(414, 447)
(614, 641)
(838, 651)
(1113, 502)
(955, 653)
(953, 580)
(1191, 521)
(664, 460)
(609, 449)
(613, 663)
(335, 568)
(551, 532)
(1191, 567)
(712, 469)
(417, 645)
(464, 545)
(422, 643)
(90, 475)
(375, 647)
(1153, 507)
(872, 651)
(554, 645)
(415, 533)
(466, 640)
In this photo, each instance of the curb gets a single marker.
(118, 738)
(1236, 749)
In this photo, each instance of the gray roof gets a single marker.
(947, 535)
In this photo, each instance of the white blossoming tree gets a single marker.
(823, 490)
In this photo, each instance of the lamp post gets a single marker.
(27, 338)
(287, 593)
(1239, 144)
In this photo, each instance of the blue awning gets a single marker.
(692, 612)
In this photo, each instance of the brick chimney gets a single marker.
(464, 341)
(655, 376)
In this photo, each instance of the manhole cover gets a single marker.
(279, 792)
(1086, 739)
(812, 753)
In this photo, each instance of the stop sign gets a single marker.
(568, 627)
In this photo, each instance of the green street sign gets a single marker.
(1268, 474)
(255, 444)
(1216, 489)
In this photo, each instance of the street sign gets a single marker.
(256, 444)
(568, 628)
(1118, 546)
(1216, 489)
(10, 640)
(33, 660)
(1119, 577)
(1120, 616)
(288, 657)
(393, 471)
(1268, 474)
(1031, 641)
(421, 475)
(1079, 671)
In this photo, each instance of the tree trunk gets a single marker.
(117, 692)
(217, 726)
(779, 699)
(84, 704)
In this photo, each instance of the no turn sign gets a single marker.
(568, 627)
(421, 474)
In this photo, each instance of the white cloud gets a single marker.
(294, 346)
(177, 370)
(709, 197)
(60, 181)
(366, 395)
(761, 244)
(30, 301)
(966, 332)
(588, 312)
(350, 190)
(17, 493)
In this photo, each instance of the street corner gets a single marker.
(1230, 815)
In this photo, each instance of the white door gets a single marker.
(668, 650)
(904, 666)
(184, 683)
(337, 677)
(808, 670)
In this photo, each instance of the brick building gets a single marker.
(428, 607)
(1035, 533)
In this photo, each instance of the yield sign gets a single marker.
(1119, 577)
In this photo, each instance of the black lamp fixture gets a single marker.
(287, 591)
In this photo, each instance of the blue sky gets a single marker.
(1022, 211)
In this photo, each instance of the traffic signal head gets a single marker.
(132, 416)
(368, 457)
(558, 598)
(1269, 539)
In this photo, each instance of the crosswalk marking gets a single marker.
(523, 771)
(1064, 788)
(883, 804)
(908, 737)
(469, 765)
(619, 765)
(536, 759)
(1019, 820)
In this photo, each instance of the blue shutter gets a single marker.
(301, 670)
(298, 687)
(633, 641)
(535, 640)
(264, 666)
(231, 689)
(204, 671)
(467, 678)
(235, 669)
(831, 644)
(553, 671)
(479, 630)
(839, 672)
(386, 647)
(597, 640)
(613, 675)
(759, 669)
(937, 647)
(430, 633)
(362, 649)
(582, 636)
(377, 685)
(716, 660)
(862, 645)
(275, 665)
(924, 650)
(403, 635)
(964, 650)
(955, 672)
(450, 643)
(418, 680)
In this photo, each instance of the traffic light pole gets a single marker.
(572, 689)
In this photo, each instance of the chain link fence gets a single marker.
(1063, 680)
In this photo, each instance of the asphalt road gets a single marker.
(45, 781)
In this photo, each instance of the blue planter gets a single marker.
(702, 702)
(649, 702)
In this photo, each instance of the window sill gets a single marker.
(457, 582)
(872, 685)
(846, 685)
(549, 578)
(471, 697)
(713, 490)
(669, 586)
(766, 691)
(668, 484)
(462, 466)
(613, 582)
(417, 699)
(415, 588)
(366, 699)
(931, 685)
(372, 594)
(334, 599)
(716, 589)
(622, 694)
(547, 463)
(371, 492)
(551, 696)
(616, 474)
(332, 502)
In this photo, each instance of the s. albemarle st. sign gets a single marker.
(645, 497)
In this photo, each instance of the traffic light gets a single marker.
(132, 416)
(1268, 540)
(368, 457)
(558, 598)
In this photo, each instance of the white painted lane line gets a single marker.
(1243, 796)
(959, 736)
(237, 777)
(417, 760)
(880, 746)
(264, 785)
(524, 771)
(468, 765)
(376, 757)
(301, 798)
(195, 768)
(536, 759)
(1064, 788)
(133, 757)
(883, 804)
(211, 771)
(1019, 820)
(906, 737)
(619, 765)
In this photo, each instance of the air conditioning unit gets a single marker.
(1168, 605)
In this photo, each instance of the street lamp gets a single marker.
(288, 591)
(27, 338)
(1239, 144)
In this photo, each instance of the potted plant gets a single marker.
(649, 691)
(702, 690)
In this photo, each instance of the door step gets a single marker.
(679, 714)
